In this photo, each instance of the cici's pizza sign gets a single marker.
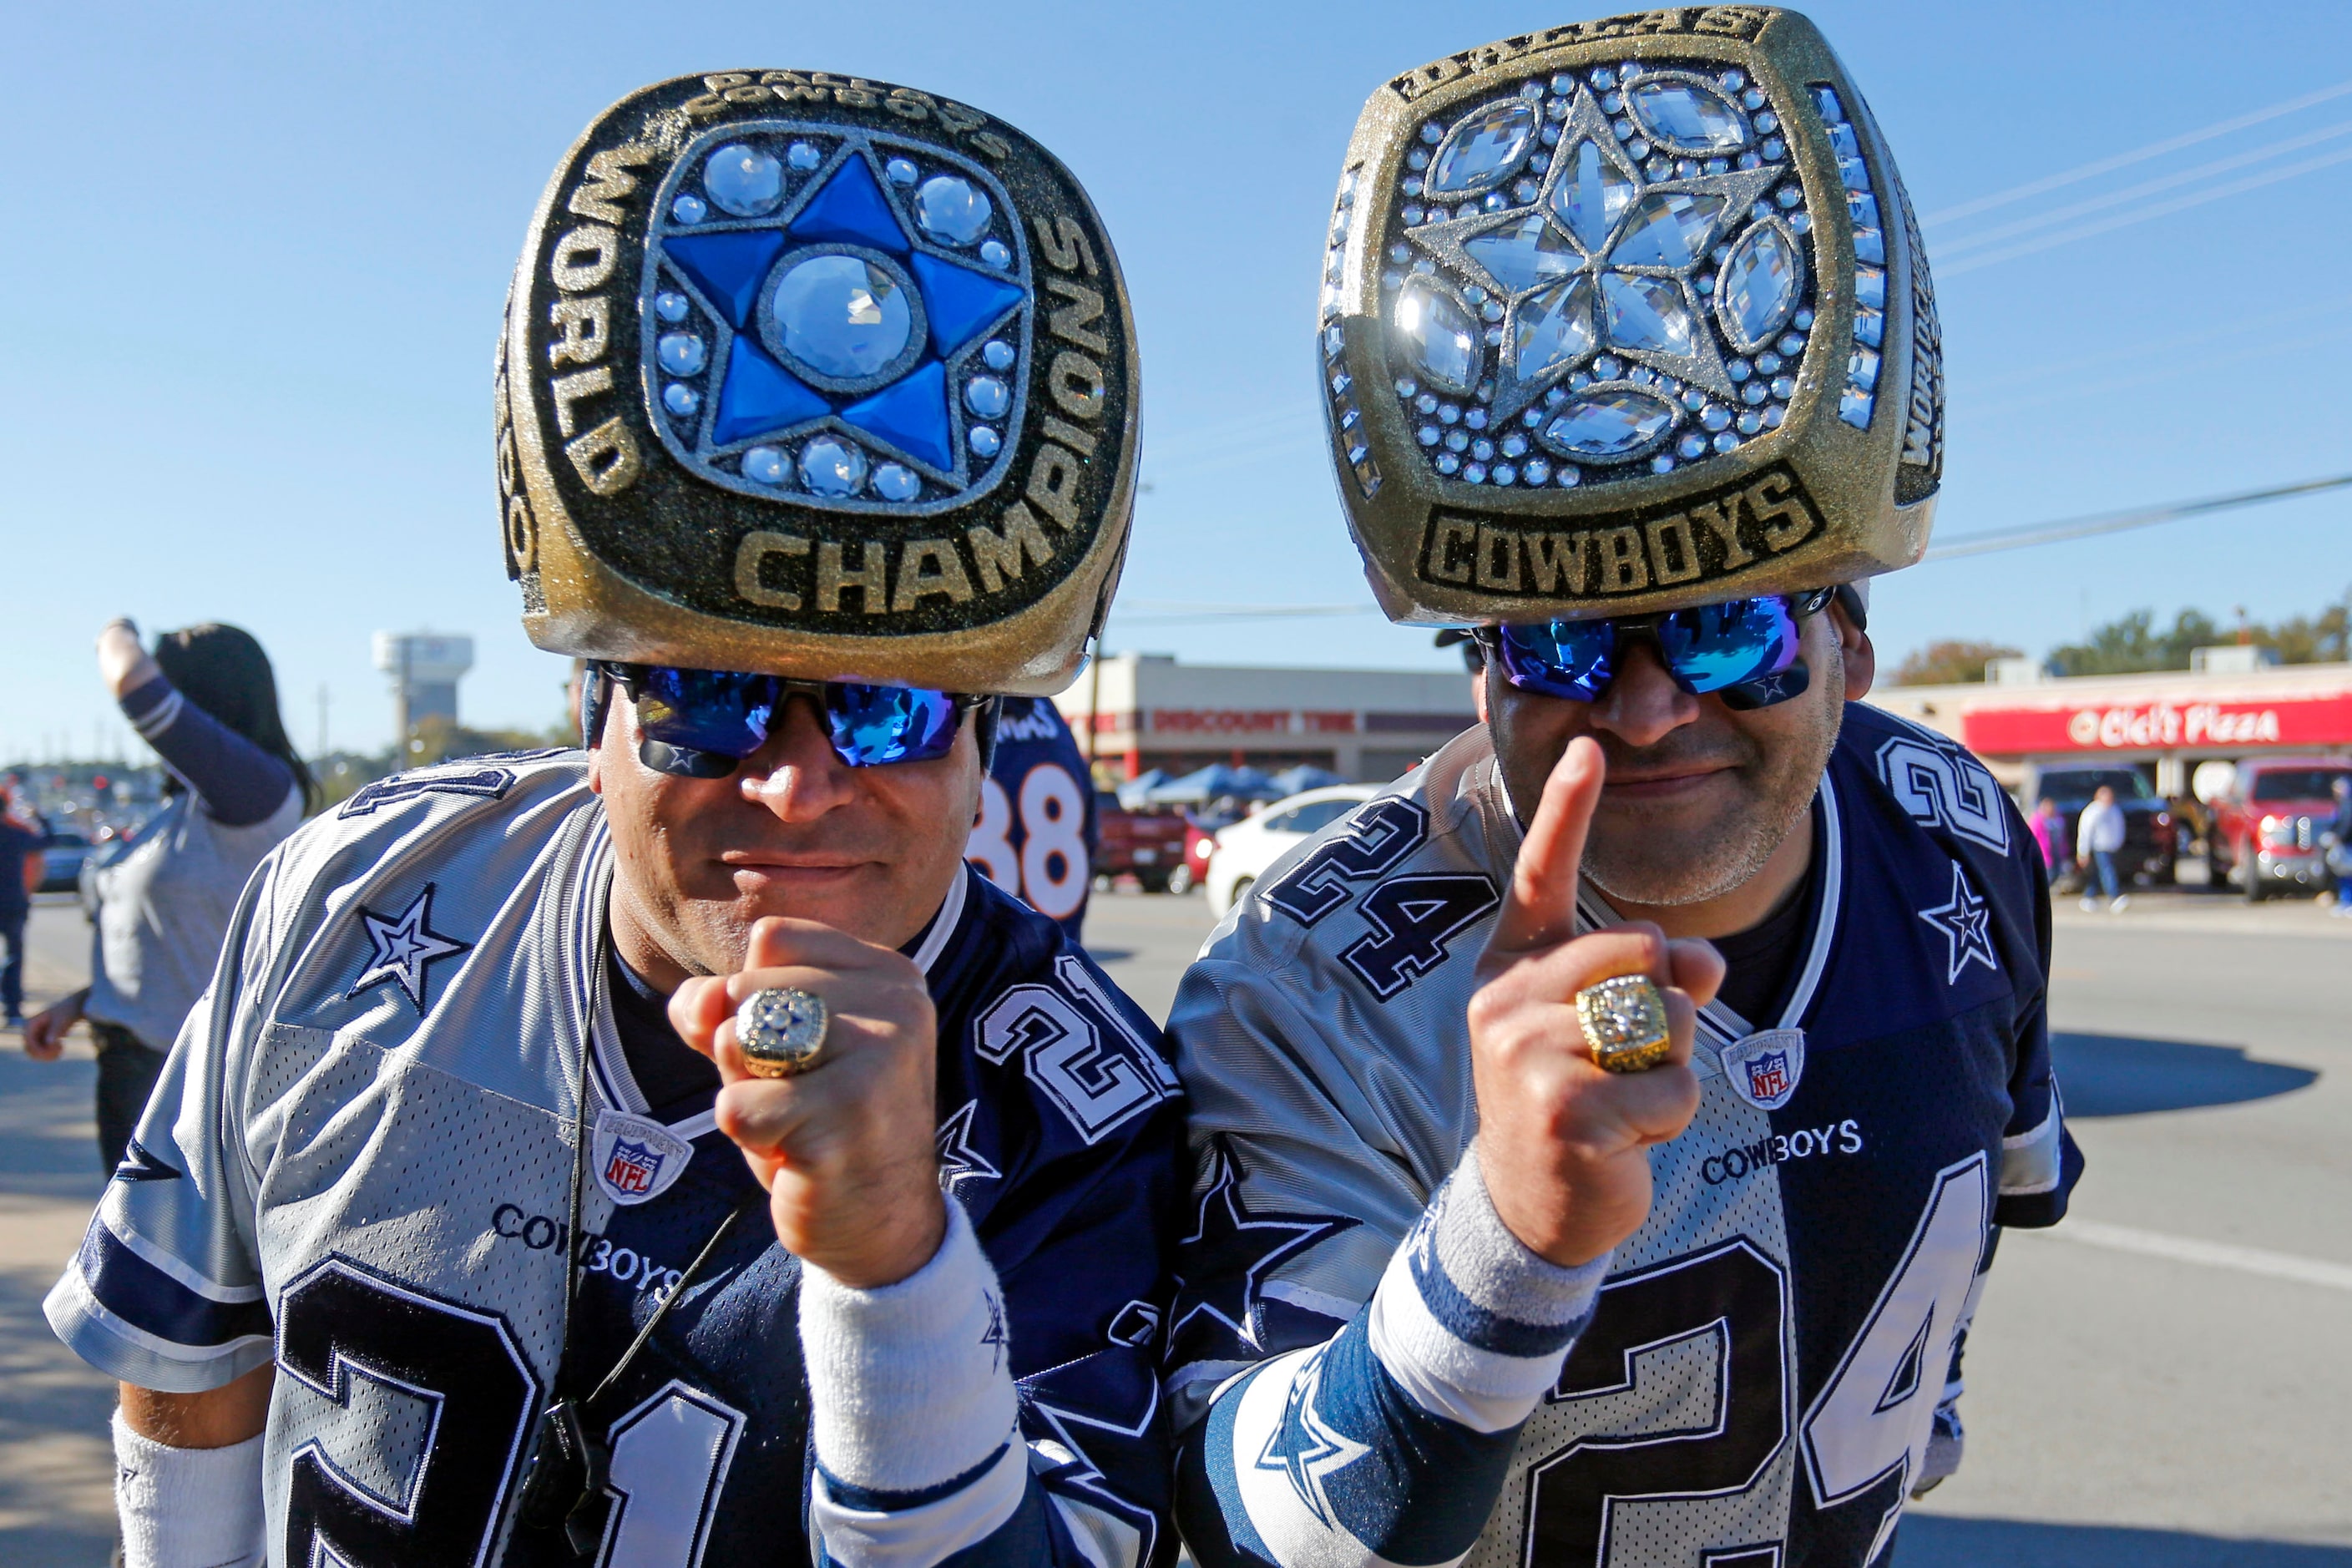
(2140, 726)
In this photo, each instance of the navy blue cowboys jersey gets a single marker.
(1768, 1362)
(1036, 834)
(358, 1161)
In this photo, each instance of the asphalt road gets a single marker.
(2161, 1383)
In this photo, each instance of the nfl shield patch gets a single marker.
(635, 1159)
(1764, 1067)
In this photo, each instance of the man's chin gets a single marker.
(1662, 887)
(1685, 850)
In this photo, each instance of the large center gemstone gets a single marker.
(842, 316)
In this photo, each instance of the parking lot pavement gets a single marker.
(2222, 913)
(2157, 1383)
(57, 1464)
(1147, 940)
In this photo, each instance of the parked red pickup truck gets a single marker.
(1150, 846)
(2265, 834)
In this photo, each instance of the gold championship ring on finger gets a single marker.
(1624, 1023)
(780, 1032)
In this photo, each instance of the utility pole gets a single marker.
(1094, 710)
(323, 719)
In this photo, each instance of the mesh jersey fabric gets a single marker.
(359, 1162)
(1759, 1381)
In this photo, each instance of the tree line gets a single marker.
(2134, 642)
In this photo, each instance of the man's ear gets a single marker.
(1855, 649)
(1478, 694)
(609, 724)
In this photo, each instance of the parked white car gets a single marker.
(1248, 847)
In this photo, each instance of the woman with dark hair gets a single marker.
(207, 700)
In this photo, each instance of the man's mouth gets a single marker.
(1669, 782)
(780, 866)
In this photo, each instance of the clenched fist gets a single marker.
(1563, 1145)
(847, 1149)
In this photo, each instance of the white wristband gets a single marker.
(1473, 1326)
(187, 1508)
(909, 1386)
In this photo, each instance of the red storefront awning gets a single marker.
(2160, 725)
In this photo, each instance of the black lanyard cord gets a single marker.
(661, 1309)
(574, 1243)
(568, 1466)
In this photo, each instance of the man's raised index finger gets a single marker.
(1540, 910)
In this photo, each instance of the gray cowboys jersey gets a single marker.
(1760, 1378)
(359, 1162)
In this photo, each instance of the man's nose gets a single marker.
(1643, 706)
(795, 774)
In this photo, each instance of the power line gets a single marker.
(1163, 612)
(2040, 222)
(1991, 539)
(2135, 155)
(2153, 210)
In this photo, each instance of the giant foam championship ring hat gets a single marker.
(816, 376)
(1625, 316)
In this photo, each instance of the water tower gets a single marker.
(424, 668)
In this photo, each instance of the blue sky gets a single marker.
(259, 256)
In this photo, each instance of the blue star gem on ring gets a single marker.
(859, 318)
(780, 1032)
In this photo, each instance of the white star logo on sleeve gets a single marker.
(1967, 924)
(1305, 1447)
(404, 946)
(959, 1160)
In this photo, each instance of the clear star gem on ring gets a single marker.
(1612, 268)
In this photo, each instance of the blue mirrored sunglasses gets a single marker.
(699, 724)
(1744, 649)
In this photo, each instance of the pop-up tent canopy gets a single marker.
(1135, 793)
(1218, 781)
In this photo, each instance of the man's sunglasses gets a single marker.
(700, 724)
(1744, 650)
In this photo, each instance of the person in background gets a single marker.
(1036, 835)
(2048, 826)
(2339, 853)
(207, 700)
(2098, 836)
(20, 873)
